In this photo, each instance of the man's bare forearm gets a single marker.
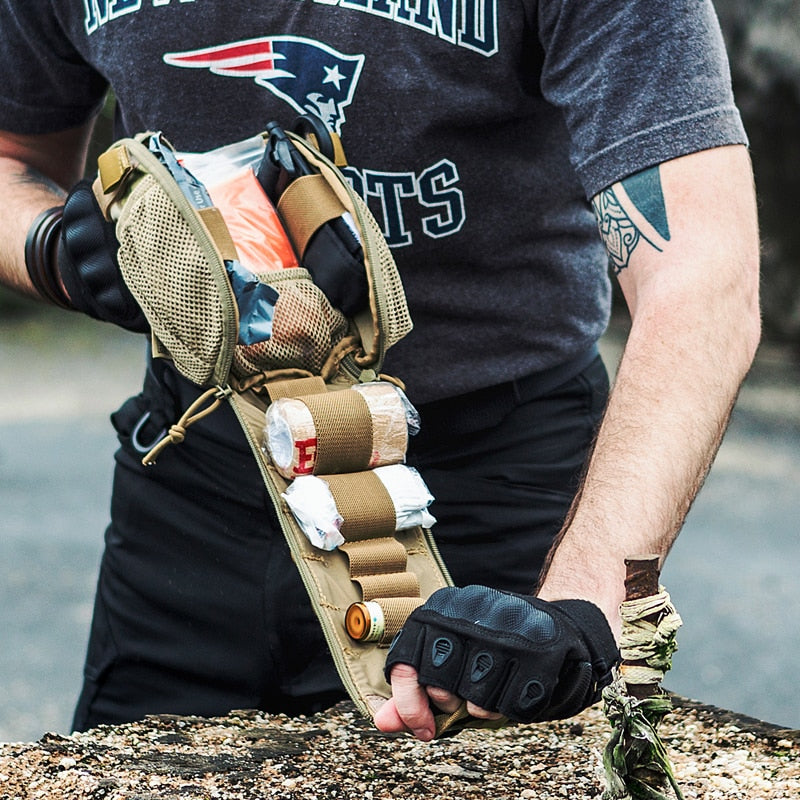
(25, 193)
(35, 171)
(665, 420)
(695, 328)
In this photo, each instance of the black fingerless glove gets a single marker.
(80, 246)
(526, 658)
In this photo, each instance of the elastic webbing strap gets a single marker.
(218, 230)
(374, 556)
(395, 584)
(296, 387)
(395, 613)
(113, 166)
(364, 504)
(344, 431)
(306, 205)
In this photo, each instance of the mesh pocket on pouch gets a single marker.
(396, 320)
(172, 279)
(305, 328)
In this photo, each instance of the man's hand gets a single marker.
(69, 260)
(504, 654)
(87, 263)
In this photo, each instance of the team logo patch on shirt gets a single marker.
(307, 74)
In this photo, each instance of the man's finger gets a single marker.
(387, 719)
(444, 700)
(450, 703)
(411, 703)
(481, 713)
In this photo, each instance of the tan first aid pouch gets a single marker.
(172, 256)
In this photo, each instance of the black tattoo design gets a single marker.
(620, 234)
(644, 190)
(32, 176)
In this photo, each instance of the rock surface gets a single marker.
(249, 755)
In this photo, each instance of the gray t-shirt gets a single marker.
(477, 131)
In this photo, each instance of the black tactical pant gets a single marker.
(199, 609)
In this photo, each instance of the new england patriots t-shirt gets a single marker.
(476, 131)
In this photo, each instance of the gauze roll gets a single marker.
(317, 512)
(337, 431)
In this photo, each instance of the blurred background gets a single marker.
(733, 573)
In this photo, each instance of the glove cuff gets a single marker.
(41, 259)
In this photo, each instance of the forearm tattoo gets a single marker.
(620, 233)
(32, 177)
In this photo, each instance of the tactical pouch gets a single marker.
(172, 257)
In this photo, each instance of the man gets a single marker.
(482, 137)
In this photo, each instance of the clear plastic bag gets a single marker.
(253, 223)
(314, 506)
(290, 435)
(215, 166)
(228, 173)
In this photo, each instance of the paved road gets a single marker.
(733, 573)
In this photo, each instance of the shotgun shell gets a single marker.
(364, 622)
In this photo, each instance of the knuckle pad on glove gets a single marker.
(482, 678)
(88, 263)
(526, 658)
(524, 696)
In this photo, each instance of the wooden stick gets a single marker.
(642, 573)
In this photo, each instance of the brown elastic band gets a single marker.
(305, 206)
(365, 505)
(343, 424)
(295, 387)
(395, 584)
(218, 230)
(113, 166)
(41, 258)
(395, 613)
(373, 556)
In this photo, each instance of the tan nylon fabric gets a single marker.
(296, 387)
(344, 431)
(171, 278)
(161, 259)
(308, 203)
(339, 157)
(373, 556)
(218, 230)
(112, 167)
(395, 584)
(391, 320)
(395, 613)
(327, 576)
(364, 503)
(173, 263)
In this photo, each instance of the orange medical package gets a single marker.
(253, 222)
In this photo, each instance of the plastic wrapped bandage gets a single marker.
(332, 509)
(343, 431)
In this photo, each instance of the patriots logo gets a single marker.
(309, 75)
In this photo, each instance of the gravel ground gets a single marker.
(338, 754)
